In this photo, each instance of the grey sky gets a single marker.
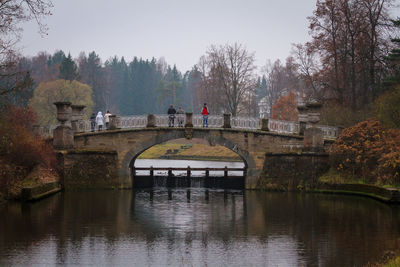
(178, 30)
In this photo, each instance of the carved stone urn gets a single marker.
(63, 111)
(63, 136)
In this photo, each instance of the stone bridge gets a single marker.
(250, 145)
(252, 139)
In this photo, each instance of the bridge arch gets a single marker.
(130, 157)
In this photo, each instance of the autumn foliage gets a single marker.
(286, 108)
(366, 150)
(21, 150)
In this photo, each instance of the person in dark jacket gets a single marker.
(171, 115)
(92, 122)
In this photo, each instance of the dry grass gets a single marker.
(193, 150)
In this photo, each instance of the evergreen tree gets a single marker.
(53, 65)
(92, 73)
(169, 89)
(68, 69)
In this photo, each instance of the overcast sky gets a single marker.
(178, 30)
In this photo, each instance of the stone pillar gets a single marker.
(189, 120)
(303, 118)
(313, 136)
(114, 122)
(264, 125)
(313, 112)
(77, 117)
(63, 136)
(313, 140)
(151, 121)
(227, 120)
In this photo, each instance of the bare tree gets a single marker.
(308, 69)
(350, 39)
(229, 75)
(12, 12)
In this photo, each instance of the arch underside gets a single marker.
(139, 148)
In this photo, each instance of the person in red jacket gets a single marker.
(205, 113)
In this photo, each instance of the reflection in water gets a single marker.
(197, 227)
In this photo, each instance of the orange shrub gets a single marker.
(367, 150)
(389, 162)
(286, 108)
(18, 145)
(20, 149)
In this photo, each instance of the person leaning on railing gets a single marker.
(205, 112)
(171, 115)
(92, 122)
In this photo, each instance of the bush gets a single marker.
(18, 145)
(20, 150)
(368, 151)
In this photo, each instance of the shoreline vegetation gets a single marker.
(195, 150)
(26, 159)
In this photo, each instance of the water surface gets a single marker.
(231, 228)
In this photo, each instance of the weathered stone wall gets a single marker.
(33, 193)
(89, 169)
(292, 171)
(250, 145)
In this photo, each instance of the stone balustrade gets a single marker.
(214, 121)
(308, 118)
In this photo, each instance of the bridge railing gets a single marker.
(245, 123)
(136, 121)
(329, 131)
(286, 127)
(44, 131)
(214, 121)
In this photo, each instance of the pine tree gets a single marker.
(68, 69)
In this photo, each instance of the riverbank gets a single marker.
(388, 259)
(333, 182)
(190, 150)
(19, 179)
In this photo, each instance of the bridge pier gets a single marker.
(63, 135)
(151, 121)
(189, 120)
(227, 121)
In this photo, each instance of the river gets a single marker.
(211, 228)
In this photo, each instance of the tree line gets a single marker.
(347, 65)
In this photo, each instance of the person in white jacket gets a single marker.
(99, 120)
